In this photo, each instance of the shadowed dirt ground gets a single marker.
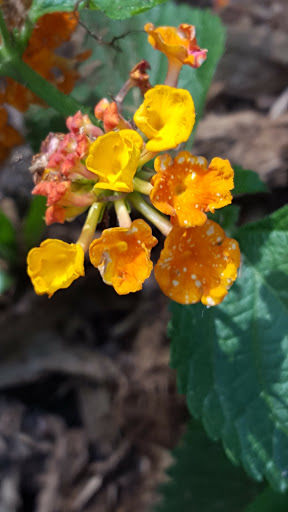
(88, 404)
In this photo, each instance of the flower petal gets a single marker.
(166, 117)
(54, 265)
(186, 188)
(198, 264)
(122, 256)
(177, 43)
(114, 157)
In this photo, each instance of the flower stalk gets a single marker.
(142, 186)
(123, 216)
(163, 224)
(90, 225)
(174, 68)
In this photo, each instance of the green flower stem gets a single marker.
(161, 222)
(122, 214)
(5, 34)
(89, 227)
(145, 174)
(14, 67)
(144, 187)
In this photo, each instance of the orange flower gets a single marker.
(198, 264)
(186, 188)
(122, 256)
(50, 31)
(177, 43)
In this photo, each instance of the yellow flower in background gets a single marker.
(122, 256)
(166, 117)
(54, 265)
(198, 264)
(114, 157)
(177, 43)
(186, 188)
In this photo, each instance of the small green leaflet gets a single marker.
(232, 360)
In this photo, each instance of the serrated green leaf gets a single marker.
(117, 9)
(8, 246)
(247, 182)
(118, 46)
(232, 360)
(122, 9)
(202, 479)
(33, 225)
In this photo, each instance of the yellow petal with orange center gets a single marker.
(54, 265)
(198, 264)
(122, 256)
(114, 157)
(166, 117)
(186, 188)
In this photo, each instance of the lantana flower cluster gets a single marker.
(94, 169)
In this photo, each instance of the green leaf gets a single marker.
(232, 360)
(122, 44)
(269, 501)
(202, 479)
(118, 9)
(121, 9)
(227, 217)
(8, 245)
(40, 7)
(34, 224)
(247, 182)
(6, 281)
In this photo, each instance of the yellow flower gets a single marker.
(54, 265)
(122, 256)
(177, 43)
(166, 117)
(114, 157)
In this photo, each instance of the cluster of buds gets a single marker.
(95, 169)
